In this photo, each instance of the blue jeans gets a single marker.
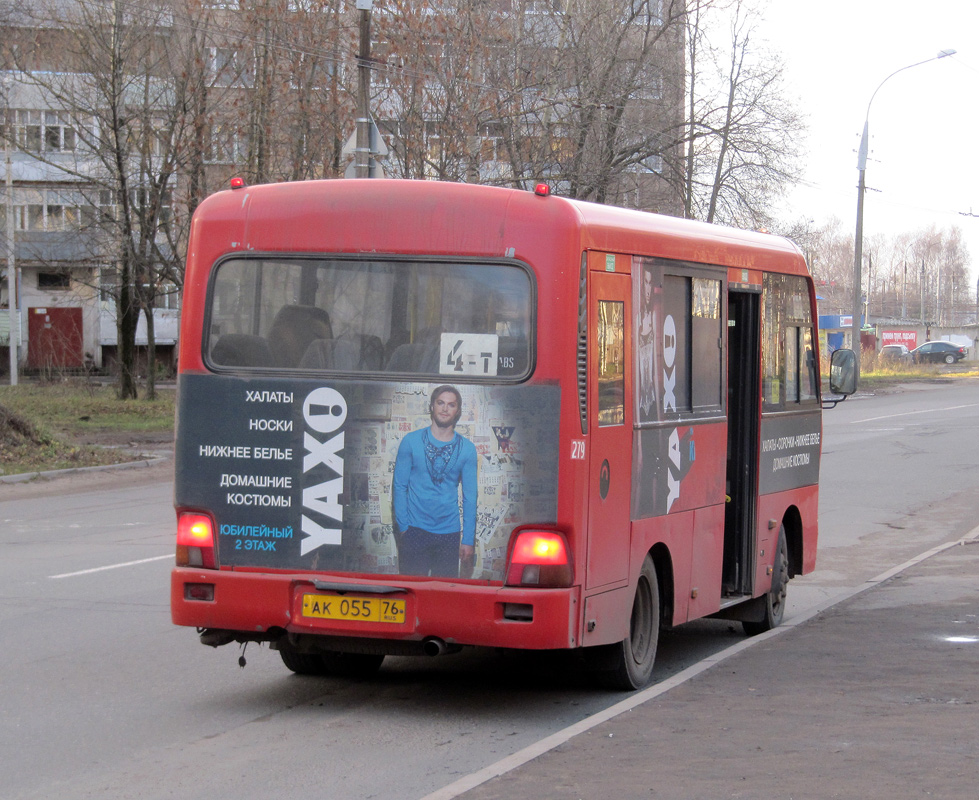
(423, 553)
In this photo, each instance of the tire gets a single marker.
(775, 599)
(633, 658)
(950, 359)
(343, 665)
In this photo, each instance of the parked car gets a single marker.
(895, 354)
(937, 352)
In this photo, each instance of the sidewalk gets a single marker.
(877, 697)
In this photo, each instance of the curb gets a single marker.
(24, 477)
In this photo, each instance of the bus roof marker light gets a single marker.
(237, 183)
(542, 190)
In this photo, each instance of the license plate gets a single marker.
(354, 609)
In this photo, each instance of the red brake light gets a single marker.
(540, 548)
(195, 540)
(540, 558)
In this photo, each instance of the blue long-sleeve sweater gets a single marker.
(426, 492)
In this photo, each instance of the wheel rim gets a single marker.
(781, 589)
(640, 639)
(778, 598)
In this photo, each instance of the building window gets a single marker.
(314, 72)
(156, 140)
(544, 6)
(108, 281)
(227, 145)
(42, 131)
(42, 210)
(142, 198)
(54, 280)
(649, 84)
(647, 12)
(167, 295)
(231, 67)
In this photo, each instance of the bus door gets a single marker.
(609, 427)
(743, 408)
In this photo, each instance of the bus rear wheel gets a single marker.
(775, 599)
(343, 665)
(635, 655)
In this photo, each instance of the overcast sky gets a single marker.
(924, 122)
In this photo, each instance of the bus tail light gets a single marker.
(540, 558)
(195, 540)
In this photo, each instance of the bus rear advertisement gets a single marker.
(418, 416)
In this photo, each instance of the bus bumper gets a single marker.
(256, 604)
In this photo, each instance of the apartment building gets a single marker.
(121, 116)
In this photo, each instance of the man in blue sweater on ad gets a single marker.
(431, 464)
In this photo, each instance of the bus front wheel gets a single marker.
(775, 599)
(343, 665)
(635, 655)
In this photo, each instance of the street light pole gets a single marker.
(861, 191)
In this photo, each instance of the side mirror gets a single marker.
(843, 372)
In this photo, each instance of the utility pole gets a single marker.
(921, 292)
(362, 152)
(13, 335)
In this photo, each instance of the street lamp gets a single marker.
(861, 190)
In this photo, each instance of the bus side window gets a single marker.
(807, 379)
(792, 365)
(611, 362)
(788, 355)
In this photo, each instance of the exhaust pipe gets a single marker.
(433, 646)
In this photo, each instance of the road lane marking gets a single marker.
(909, 413)
(108, 566)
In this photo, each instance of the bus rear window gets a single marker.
(421, 318)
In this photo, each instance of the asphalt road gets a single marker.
(103, 697)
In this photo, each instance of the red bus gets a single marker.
(417, 416)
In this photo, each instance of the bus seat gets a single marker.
(337, 354)
(241, 350)
(414, 357)
(371, 350)
(292, 331)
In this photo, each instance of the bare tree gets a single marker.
(582, 94)
(277, 104)
(743, 139)
(919, 275)
(589, 96)
(119, 83)
(426, 86)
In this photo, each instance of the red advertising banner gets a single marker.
(907, 338)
